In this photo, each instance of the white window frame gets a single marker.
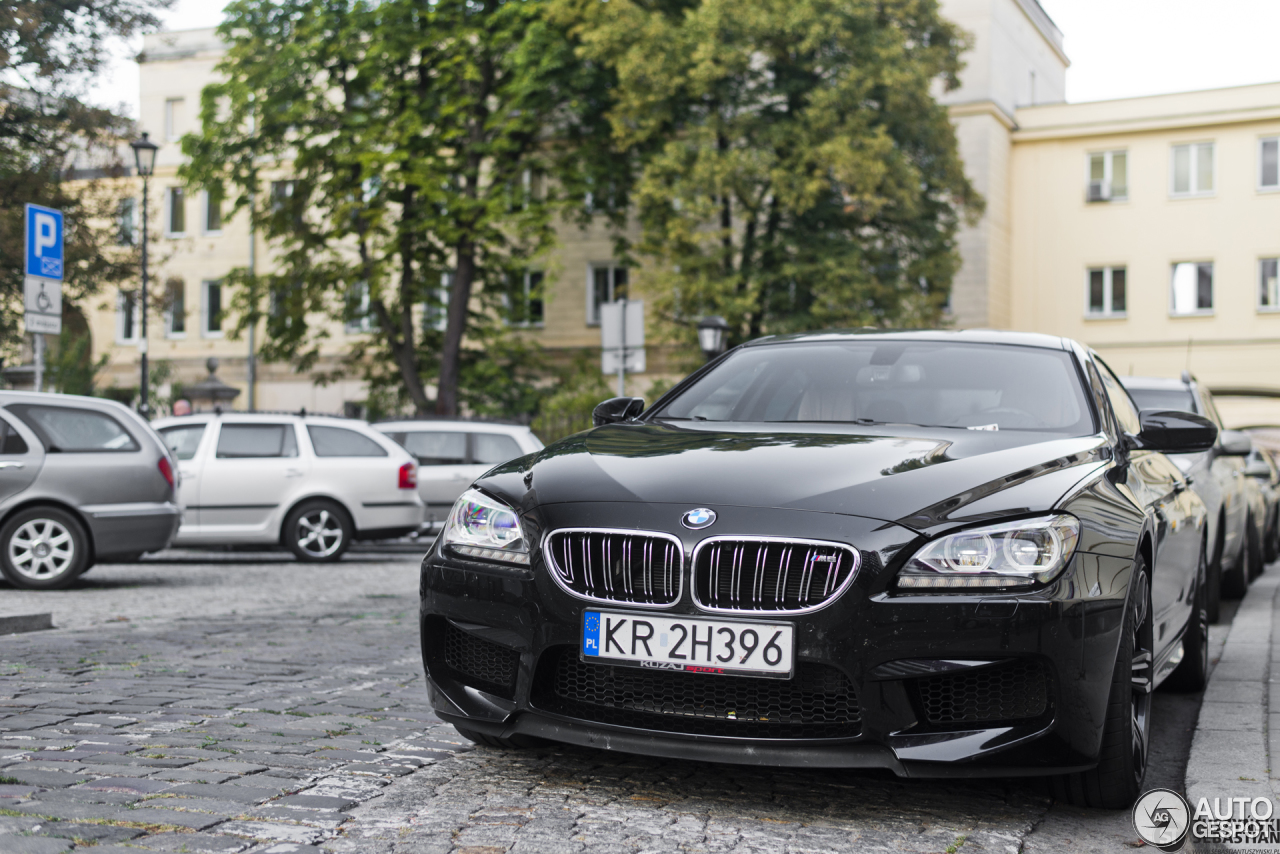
(1257, 294)
(204, 216)
(1108, 165)
(168, 211)
(172, 106)
(132, 335)
(1195, 192)
(1268, 188)
(1200, 312)
(593, 317)
(168, 316)
(205, 331)
(1108, 271)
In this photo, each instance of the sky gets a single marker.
(1118, 48)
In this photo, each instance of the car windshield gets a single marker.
(927, 383)
(1179, 400)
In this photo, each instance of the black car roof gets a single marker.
(975, 336)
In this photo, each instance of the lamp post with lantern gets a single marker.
(712, 332)
(144, 156)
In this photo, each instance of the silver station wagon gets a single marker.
(82, 479)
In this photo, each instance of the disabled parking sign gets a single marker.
(42, 291)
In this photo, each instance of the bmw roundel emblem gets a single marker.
(698, 519)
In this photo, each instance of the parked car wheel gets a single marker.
(1253, 550)
(1193, 673)
(1213, 596)
(1272, 547)
(1122, 762)
(1235, 581)
(318, 531)
(43, 548)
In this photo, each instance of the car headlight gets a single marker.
(1010, 554)
(485, 528)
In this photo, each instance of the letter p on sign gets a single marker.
(44, 242)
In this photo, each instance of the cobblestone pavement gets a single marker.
(200, 730)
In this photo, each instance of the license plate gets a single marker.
(689, 644)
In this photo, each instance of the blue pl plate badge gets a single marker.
(591, 634)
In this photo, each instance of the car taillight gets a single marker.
(409, 476)
(166, 470)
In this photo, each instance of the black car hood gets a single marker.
(917, 477)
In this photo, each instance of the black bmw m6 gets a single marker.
(948, 554)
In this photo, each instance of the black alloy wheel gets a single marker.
(318, 531)
(1193, 673)
(43, 548)
(1126, 732)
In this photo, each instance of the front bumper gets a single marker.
(937, 685)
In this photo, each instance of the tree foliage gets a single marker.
(48, 135)
(397, 155)
(797, 171)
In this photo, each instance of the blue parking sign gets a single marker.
(44, 242)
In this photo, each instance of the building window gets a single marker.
(127, 222)
(175, 313)
(173, 119)
(524, 299)
(1269, 163)
(286, 201)
(608, 284)
(1192, 289)
(359, 317)
(1107, 292)
(177, 222)
(435, 311)
(213, 211)
(211, 310)
(126, 317)
(1193, 169)
(1268, 286)
(1108, 176)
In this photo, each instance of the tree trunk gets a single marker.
(459, 297)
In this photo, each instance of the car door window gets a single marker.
(256, 441)
(11, 444)
(437, 448)
(493, 448)
(73, 430)
(1121, 404)
(183, 441)
(341, 442)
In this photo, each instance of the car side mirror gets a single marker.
(617, 409)
(1235, 443)
(1258, 468)
(1173, 432)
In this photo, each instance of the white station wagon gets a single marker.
(310, 483)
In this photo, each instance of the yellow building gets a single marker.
(1149, 228)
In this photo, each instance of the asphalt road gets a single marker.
(233, 702)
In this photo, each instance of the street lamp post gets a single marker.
(711, 335)
(144, 155)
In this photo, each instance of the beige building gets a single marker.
(1149, 228)
(1144, 227)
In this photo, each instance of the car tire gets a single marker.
(1235, 581)
(1272, 549)
(317, 531)
(43, 548)
(1193, 673)
(514, 742)
(1116, 782)
(1253, 548)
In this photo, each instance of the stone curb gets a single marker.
(25, 623)
(1234, 743)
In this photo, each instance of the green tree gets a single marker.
(423, 144)
(49, 49)
(797, 170)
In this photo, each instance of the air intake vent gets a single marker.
(479, 660)
(1004, 692)
(633, 567)
(770, 576)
